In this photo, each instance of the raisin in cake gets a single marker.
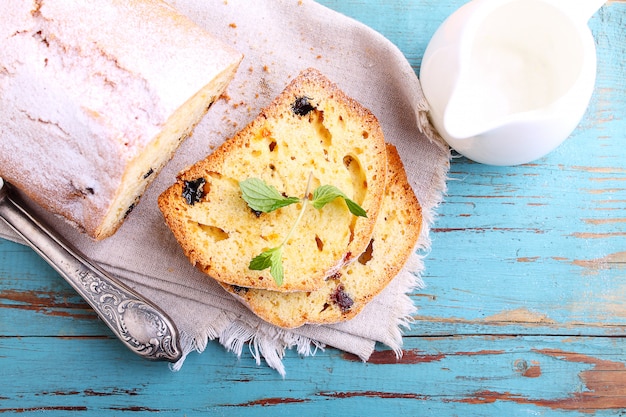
(346, 293)
(311, 129)
(96, 96)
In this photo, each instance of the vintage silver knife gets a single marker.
(137, 322)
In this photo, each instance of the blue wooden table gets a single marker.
(524, 312)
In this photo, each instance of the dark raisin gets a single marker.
(256, 212)
(341, 298)
(193, 191)
(302, 106)
(147, 174)
(237, 289)
(129, 210)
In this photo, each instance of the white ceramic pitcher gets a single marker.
(508, 80)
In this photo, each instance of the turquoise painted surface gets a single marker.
(524, 312)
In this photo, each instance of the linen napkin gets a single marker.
(279, 38)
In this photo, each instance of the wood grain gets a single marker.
(524, 312)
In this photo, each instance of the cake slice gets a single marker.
(312, 130)
(349, 290)
(96, 96)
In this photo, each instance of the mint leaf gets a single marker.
(263, 197)
(272, 259)
(324, 194)
(355, 208)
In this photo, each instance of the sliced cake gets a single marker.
(311, 135)
(346, 293)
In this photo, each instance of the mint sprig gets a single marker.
(264, 198)
(324, 194)
(272, 259)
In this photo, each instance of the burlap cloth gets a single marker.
(279, 38)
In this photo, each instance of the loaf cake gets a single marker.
(96, 96)
(345, 294)
(311, 135)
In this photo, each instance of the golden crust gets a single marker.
(337, 141)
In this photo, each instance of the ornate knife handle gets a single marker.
(136, 321)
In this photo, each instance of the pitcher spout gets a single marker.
(466, 115)
(507, 80)
(511, 74)
(499, 84)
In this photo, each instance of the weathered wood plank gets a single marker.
(524, 312)
(36, 301)
(476, 375)
(537, 248)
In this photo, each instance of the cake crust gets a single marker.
(96, 97)
(311, 129)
